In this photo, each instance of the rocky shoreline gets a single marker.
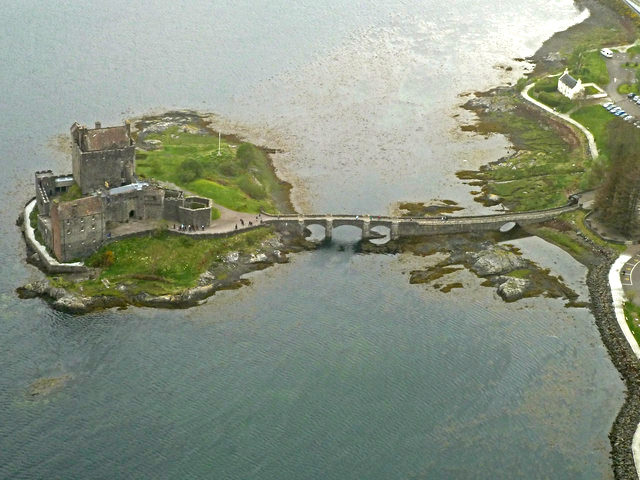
(625, 361)
(225, 276)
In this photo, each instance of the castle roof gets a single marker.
(108, 138)
(80, 207)
(568, 80)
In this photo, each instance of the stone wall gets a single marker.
(170, 210)
(196, 212)
(77, 228)
(92, 169)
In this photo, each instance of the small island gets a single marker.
(162, 211)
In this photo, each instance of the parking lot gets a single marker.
(619, 74)
(621, 109)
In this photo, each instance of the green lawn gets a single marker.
(592, 68)
(632, 51)
(625, 88)
(596, 119)
(244, 183)
(162, 263)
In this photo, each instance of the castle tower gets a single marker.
(102, 157)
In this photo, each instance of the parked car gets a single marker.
(605, 52)
(607, 105)
(635, 98)
(621, 113)
(615, 109)
(629, 118)
(630, 95)
(638, 101)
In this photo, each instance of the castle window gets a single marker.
(68, 232)
(82, 220)
(93, 227)
(82, 230)
(67, 222)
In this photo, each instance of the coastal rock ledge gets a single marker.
(65, 301)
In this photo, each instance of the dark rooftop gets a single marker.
(568, 80)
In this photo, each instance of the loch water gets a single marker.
(331, 366)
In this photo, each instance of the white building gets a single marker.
(569, 86)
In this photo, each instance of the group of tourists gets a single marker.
(187, 228)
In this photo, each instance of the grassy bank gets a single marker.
(632, 315)
(549, 162)
(240, 178)
(160, 263)
(596, 119)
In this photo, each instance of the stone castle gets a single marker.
(103, 165)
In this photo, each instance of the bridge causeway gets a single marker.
(412, 226)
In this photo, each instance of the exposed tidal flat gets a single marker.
(332, 366)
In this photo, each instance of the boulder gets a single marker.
(258, 258)
(71, 304)
(496, 261)
(513, 289)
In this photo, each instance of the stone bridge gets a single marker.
(412, 226)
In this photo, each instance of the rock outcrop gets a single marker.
(496, 261)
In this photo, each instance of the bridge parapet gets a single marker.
(413, 226)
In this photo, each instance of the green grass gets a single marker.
(632, 315)
(545, 90)
(521, 273)
(33, 221)
(625, 88)
(191, 161)
(545, 169)
(632, 51)
(228, 196)
(576, 219)
(593, 68)
(73, 193)
(595, 118)
(590, 90)
(162, 263)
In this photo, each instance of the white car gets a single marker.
(607, 105)
(605, 52)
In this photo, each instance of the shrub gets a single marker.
(229, 168)
(247, 154)
(251, 188)
(102, 259)
(190, 170)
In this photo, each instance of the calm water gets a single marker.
(332, 366)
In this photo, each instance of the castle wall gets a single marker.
(143, 204)
(77, 228)
(196, 212)
(170, 208)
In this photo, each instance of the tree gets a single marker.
(617, 199)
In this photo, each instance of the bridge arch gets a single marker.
(380, 234)
(317, 231)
